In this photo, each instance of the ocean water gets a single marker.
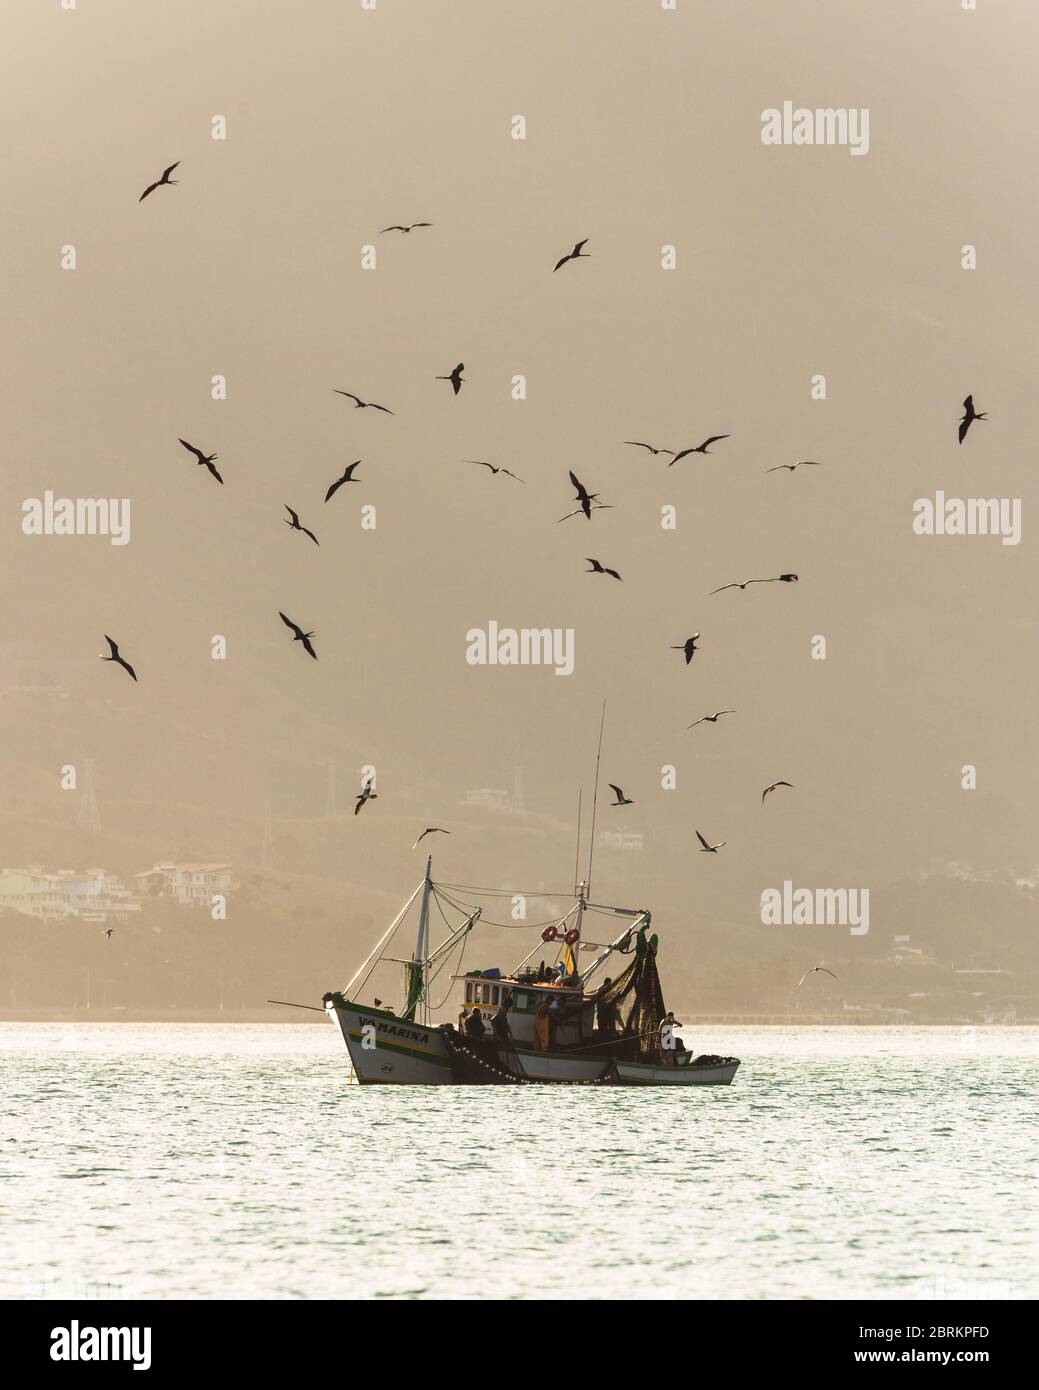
(231, 1161)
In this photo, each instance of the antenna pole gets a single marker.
(595, 798)
(577, 852)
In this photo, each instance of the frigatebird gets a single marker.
(637, 444)
(772, 788)
(204, 460)
(710, 718)
(688, 646)
(622, 800)
(597, 568)
(455, 378)
(298, 635)
(804, 463)
(430, 830)
(366, 795)
(585, 498)
(294, 524)
(113, 648)
(348, 477)
(575, 254)
(776, 579)
(159, 182)
(700, 448)
(362, 405)
(709, 849)
(480, 463)
(398, 228)
(969, 416)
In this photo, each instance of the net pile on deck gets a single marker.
(640, 984)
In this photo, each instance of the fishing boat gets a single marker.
(543, 1023)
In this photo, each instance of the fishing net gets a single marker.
(638, 988)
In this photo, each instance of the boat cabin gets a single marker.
(522, 997)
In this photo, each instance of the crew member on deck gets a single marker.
(541, 1027)
(608, 1014)
(500, 1021)
(474, 1025)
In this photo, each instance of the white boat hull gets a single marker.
(718, 1073)
(388, 1051)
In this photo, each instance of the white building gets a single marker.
(192, 885)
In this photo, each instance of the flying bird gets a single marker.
(108, 933)
(575, 254)
(113, 648)
(159, 182)
(480, 463)
(204, 460)
(969, 416)
(362, 405)
(585, 498)
(429, 830)
(689, 646)
(637, 444)
(710, 718)
(709, 849)
(812, 972)
(772, 788)
(456, 378)
(700, 448)
(804, 463)
(294, 525)
(622, 800)
(348, 477)
(398, 228)
(298, 635)
(366, 795)
(776, 579)
(597, 568)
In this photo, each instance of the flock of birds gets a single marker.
(587, 503)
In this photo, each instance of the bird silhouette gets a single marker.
(430, 830)
(637, 444)
(113, 648)
(804, 463)
(108, 933)
(159, 182)
(969, 416)
(575, 254)
(480, 463)
(348, 477)
(585, 498)
(709, 849)
(362, 405)
(710, 718)
(298, 635)
(776, 579)
(366, 795)
(812, 972)
(772, 788)
(597, 568)
(455, 378)
(700, 448)
(622, 800)
(688, 646)
(398, 228)
(204, 460)
(294, 525)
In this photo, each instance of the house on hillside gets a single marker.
(191, 885)
(93, 894)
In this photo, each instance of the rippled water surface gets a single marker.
(215, 1161)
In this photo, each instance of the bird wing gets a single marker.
(126, 665)
(614, 573)
(348, 472)
(826, 972)
(713, 440)
(167, 172)
(212, 470)
(334, 488)
(777, 468)
(297, 630)
(681, 455)
(308, 648)
(150, 189)
(968, 404)
(964, 427)
(512, 475)
(726, 586)
(614, 787)
(294, 515)
(113, 648)
(350, 394)
(577, 247)
(702, 840)
(577, 483)
(383, 408)
(696, 721)
(310, 534)
(562, 261)
(192, 450)
(395, 228)
(638, 444)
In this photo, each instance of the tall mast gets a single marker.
(595, 799)
(422, 941)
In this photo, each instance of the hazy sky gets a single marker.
(643, 129)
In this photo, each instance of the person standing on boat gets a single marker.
(474, 1026)
(542, 1027)
(670, 1043)
(500, 1021)
(608, 1015)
